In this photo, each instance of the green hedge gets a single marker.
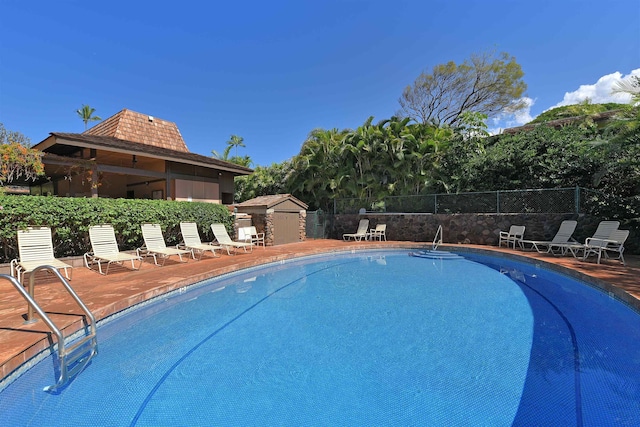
(70, 219)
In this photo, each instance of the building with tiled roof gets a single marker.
(133, 155)
(128, 125)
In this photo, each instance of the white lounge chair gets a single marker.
(155, 246)
(513, 236)
(251, 235)
(562, 237)
(600, 247)
(619, 237)
(378, 233)
(104, 248)
(223, 239)
(603, 232)
(35, 248)
(363, 228)
(191, 240)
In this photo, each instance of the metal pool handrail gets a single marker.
(437, 240)
(65, 357)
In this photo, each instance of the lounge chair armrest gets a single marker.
(592, 241)
(14, 266)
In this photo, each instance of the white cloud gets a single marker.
(600, 92)
(523, 116)
(508, 119)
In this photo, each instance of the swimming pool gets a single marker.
(371, 338)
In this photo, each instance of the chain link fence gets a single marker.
(317, 224)
(548, 200)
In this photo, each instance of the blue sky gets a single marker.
(272, 71)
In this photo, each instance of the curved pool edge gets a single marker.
(35, 350)
(548, 263)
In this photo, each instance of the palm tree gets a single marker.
(630, 86)
(235, 141)
(317, 173)
(86, 114)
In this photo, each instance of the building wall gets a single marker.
(197, 191)
(278, 229)
(112, 185)
(226, 188)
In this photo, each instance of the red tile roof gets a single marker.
(131, 126)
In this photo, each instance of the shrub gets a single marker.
(70, 219)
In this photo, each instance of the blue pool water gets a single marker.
(375, 338)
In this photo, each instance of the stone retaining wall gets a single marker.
(302, 225)
(480, 229)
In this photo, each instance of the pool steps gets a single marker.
(434, 254)
(73, 357)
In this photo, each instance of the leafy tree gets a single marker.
(397, 157)
(8, 137)
(264, 181)
(86, 114)
(318, 171)
(391, 157)
(17, 160)
(544, 157)
(241, 160)
(484, 84)
(473, 125)
(619, 175)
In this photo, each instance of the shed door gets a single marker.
(285, 228)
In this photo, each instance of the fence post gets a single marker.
(334, 206)
(577, 199)
(435, 203)
(498, 201)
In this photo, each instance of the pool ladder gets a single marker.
(437, 240)
(72, 357)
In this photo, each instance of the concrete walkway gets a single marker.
(122, 288)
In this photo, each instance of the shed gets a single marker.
(281, 217)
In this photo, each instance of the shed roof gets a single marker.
(272, 200)
(132, 126)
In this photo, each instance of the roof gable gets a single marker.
(272, 200)
(131, 126)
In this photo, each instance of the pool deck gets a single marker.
(122, 288)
